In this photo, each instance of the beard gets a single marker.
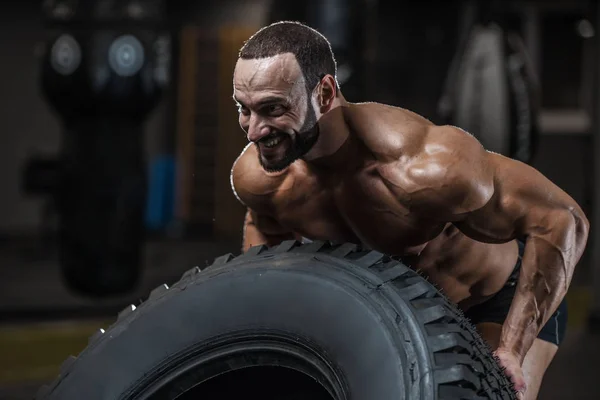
(302, 141)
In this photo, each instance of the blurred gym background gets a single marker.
(118, 133)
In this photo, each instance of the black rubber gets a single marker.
(362, 325)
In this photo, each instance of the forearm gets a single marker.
(547, 268)
(253, 236)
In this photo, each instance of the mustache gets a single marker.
(272, 136)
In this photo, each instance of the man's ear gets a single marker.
(327, 91)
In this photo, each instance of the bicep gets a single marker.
(525, 204)
(489, 197)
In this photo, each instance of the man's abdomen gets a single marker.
(467, 271)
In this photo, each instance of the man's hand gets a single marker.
(513, 370)
(261, 229)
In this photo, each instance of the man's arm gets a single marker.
(255, 192)
(494, 199)
(260, 229)
(554, 245)
(528, 206)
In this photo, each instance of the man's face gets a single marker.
(275, 109)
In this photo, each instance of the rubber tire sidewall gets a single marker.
(337, 311)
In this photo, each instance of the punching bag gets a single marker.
(492, 91)
(103, 73)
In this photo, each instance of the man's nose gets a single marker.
(257, 129)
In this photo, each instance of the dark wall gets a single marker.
(413, 47)
(27, 123)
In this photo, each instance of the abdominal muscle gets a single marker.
(467, 271)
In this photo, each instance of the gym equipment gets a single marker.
(296, 321)
(492, 90)
(104, 71)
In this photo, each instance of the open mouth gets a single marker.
(272, 141)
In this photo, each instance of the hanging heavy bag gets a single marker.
(492, 92)
(103, 78)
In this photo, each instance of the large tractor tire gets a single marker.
(296, 321)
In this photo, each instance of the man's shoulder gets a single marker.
(448, 174)
(389, 131)
(395, 131)
(250, 183)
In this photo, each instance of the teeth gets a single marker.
(273, 142)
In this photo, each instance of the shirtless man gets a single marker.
(499, 238)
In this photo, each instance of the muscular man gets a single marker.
(499, 238)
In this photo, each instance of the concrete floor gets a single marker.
(30, 290)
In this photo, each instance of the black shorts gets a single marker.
(496, 308)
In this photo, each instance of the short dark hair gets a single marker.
(312, 50)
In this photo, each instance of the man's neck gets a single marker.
(333, 133)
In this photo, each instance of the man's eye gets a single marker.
(243, 110)
(275, 109)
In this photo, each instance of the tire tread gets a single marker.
(464, 366)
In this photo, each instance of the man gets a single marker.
(499, 238)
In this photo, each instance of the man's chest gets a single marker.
(356, 207)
